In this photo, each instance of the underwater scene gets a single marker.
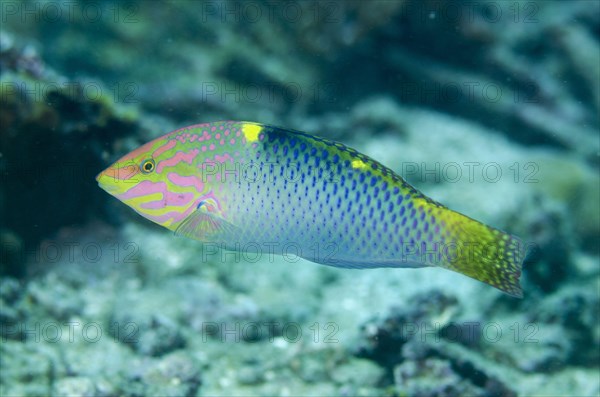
(300, 198)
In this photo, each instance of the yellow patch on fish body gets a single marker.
(359, 164)
(251, 132)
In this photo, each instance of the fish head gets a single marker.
(159, 180)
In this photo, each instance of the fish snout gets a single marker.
(107, 180)
(115, 177)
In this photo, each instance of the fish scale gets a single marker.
(352, 227)
(252, 187)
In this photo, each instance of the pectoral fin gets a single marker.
(205, 224)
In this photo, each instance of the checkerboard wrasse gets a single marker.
(249, 186)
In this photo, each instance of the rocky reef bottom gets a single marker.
(136, 311)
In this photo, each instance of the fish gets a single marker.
(249, 187)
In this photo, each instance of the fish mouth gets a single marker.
(110, 180)
(117, 178)
(107, 182)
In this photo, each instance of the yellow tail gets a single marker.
(483, 253)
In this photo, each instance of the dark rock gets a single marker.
(51, 297)
(548, 264)
(175, 375)
(75, 386)
(54, 140)
(11, 315)
(383, 338)
(432, 378)
(150, 335)
(575, 310)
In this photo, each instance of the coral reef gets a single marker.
(488, 107)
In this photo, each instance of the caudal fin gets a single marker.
(484, 253)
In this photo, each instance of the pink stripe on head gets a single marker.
(186, 181)
(170, 199)
(179, 199)
(144, 188)
(154, 205)
(170, 144)
(176, 159)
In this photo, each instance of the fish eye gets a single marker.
(147, 166)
